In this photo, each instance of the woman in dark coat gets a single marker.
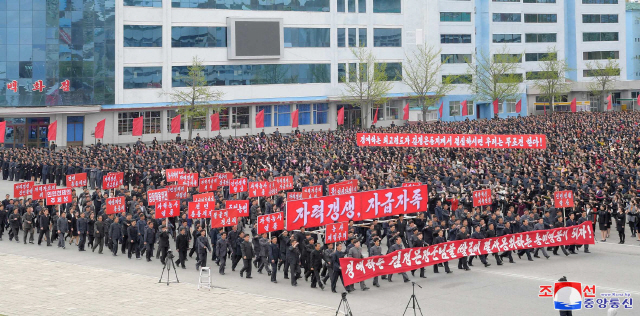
(602, 222)
(620, 219)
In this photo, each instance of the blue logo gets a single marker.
(567, 296)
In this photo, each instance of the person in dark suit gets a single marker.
(182, 246)
(99, 229)
(149, 240)
(315, 262)
(203, 245)
(293, 258)
(559, 223)
(337, 270)
(115, 234)
(462, 235)
(14, 223)
(274, 257)
(63, 227)
(222, 246)
(477, 234)
(82, 225)
(247, 254)
(44, 222)
(396, 246)
(375, 250)
(439, 239)
(132, 241)
(163, 243)
(236, 255)
(3, 219)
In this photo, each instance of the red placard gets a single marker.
(166, 209)
(353, 183)
(257, 189)
(58, 196)
(270, 223)
(482, 197)
(224, 218)
(112, 180)
(77, 180)
(312, 192)
(156, 196)
(173, 174)
(39, 190)
(176, 192)
(204, 197)
(188, 179)
(116, 205)
(452, 140)
(223, 178)
(238, 185)
(284, 183)
(273, 188)
(241, 206)
(356, 270)
(336, 232)
(200, 209)
(208, 184)
(341, 188)
(23, 189)
(411, 184)
(294, 196)
(563, 199)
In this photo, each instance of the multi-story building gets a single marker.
(121, 59)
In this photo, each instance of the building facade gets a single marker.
(121, 59)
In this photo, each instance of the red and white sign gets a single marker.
(241, 206)
(356, 270)
(200, 209)
(58, 196)
(188, 179)
(294, 196)
(204, 197)
(284, 183)
(112, 180)
(312, 192)
(223, 178)
(453, 140)
(563, 199)
(342, 188)
(411, 184)
(166, 209)
(238, 185)
(270, 223)
(77, 180)
(208, 184)
(39, 190)
(23, 189)
(156, 196)
(116, 205)
(257, 189)
(224, 218)
(482, 197)
(177, 192)
(273, 188)
(336, 232)
(173, 174)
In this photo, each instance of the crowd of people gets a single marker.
(595, 155)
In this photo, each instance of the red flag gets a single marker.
(137, 126)
(406, 112)
(638, 101)
(440, 109)
(99, 132)
(375, 118)
(260, 119)
(609, 103)
(519, 106)
(294, 119)
(464, 108)
(175, 124)
(573, 105)
(215, 122)
(3, 130)
(341, 116)
(53, 130)
(495, 106)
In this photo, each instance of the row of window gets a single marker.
(599, 18)
(355, 37)
(529, 38)
(393, 71)
(464, 58)
(528, 18)
(600, 36)
(280, 115)
(530, 75)
(360, 6)
(455, 108)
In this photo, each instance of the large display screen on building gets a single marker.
(255, 38)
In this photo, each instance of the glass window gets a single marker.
(455, 16)
(598, 72)
(341, 5)
(506, 0)
(539, 1)
(506, 17)
(362, 6)
(362, 37)
(536, 75)
(511, 106)
(540, 18)
(455, 58)
(142, 35)
(601, 55)
(387, 37)
(278, 5)
(540, 38)
(240, 117)
(307, 37)
(351, 6)
(393, 71)
(234, 75)
(457, 79)
(312, 113)
(455, 108)
(151, 122)
(392, 112)
(455, 38)
(143, 3)
(282, 115)
(142, 77)
(341, 37)
(539, 56)
(353, 72)
(170, 115)
(342, 72)
(600, 36)
(599, 1)
(267, 114)
(352, 37)
(304, 114)
(320, 113)
(191, 36)
(507, 38)
(386, 6)
(507, 58)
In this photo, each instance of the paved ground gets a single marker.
(497, 290)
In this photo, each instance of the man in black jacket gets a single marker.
(43, 222)
(163, 243)
(236, 255)
(315, 263)
(182, 246)
(337, 271)
(203, 245)
(477, 234)
(247, 254)
(82, 231)
(222, 246)
(99, 234)
(3, 219)
(115, 234)
(14, 222)
(149, 240)
(132, 241)
(462, 262)
(274, 257)
(439, 240)
(293, 258)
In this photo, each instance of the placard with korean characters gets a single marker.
(116, 205)
(270, 222)
(241, 206)
(172, 175)
(23, 189)
(58, 196)
(224, 218)
(238, 185)
(336, 232)
(170, 208)
(188, 179)
(208, 184)
(200, 209)
(76, 180)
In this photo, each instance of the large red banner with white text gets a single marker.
(176, 192)
(204, 197)
(241, 206)
(270, 223)
(482, 197)
(112, 180)
(284, 183)
(173, 174)
(356, 270)
(58, 196)
(223, 178)
(453, 140)
(188, 179)
(294, 196)
(237, 185)
(115, 205)
(200, 209)
(258, 189)
(166, 209)
(336, 232)
(224, 218)
(39, 190)
(563, 199)
(341, 188)
(312, 192)
(156, 196)
(208, 184)
(77, 180)
(23, 189)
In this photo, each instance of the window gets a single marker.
(539, 1)
(540, 38)
(307, 37)
(142, 36)
(352, 37)
(539, 56)
(191, 36)
(380, 109)
(143, 3)
(387, 37)
(304, 6)
(341, 5)
(506, 0)
(507, 78)
(455, 58)
(455, 108)
(386, 6)
(599, 18)
(540, 18)
(282, 115)
(511, 106)
(600, 36)
(536, 75)
(312, 113)
(362, 37)
(362, 6)
(170, 115)
(455, 16)
(239, 117)
(599, 1)
(353, 72)
(457, 79)
(455, 38)
(507, 58)
(236, 75)
(506, 17)
(342, 72)
(142, 77)
(507, 38)
(151, 121)
(598, 72)
(351, 6)
(392, 112)
(393, 71)
(601, 55)
(341, 37)
(267, 114)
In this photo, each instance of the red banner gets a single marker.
(356, 270)
(76, 180)
(176, 192)
(156, 196)
(23, 189)
(224, 218)
(167, 209)
(563, 199)
(238, 185)
(112, 180)
(208, 184)
(241, 206)
(205, 197)
(188, 179)
(341, 188)
(273, 188)
(312, 192)
(284, 183)
(294, 196)
(223, 178)
(270, 223)
(453, 140)
(58, 196)
(411, 184)
(200, 209)
(336, 232)
(116, 205)
(257, 189)
(482, 197)
(173, 174)
(39, 190)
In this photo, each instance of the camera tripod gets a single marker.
(346, 309)
(413, 300)
(167, 267)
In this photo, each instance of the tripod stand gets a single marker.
(167, 267)
(413, 300)
(346, 309)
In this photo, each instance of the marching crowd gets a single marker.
(595, 155)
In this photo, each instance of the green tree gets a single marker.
(495, 78)
(603, 79)
(551, 80)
